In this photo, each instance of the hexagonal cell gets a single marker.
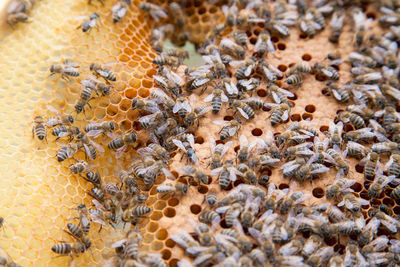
(162, 234)
(159, 205)
(170, 243)
(156, 215)
(173, 202)
(169, 212)
(156, 245)
(195, 209)
(166, 254)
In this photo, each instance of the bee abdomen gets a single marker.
(116, 144)
(40, 132)
(224, 180)
(63, 248)
(216, 104)
(141, 210)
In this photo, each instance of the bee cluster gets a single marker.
(255, 223)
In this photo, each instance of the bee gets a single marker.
(327, 71)
(211, 198)
(301, 150)
(14, 18)
(264, 44)
(358, 58)
(245, 148)
(303, 128)
(385, 147)
(97, 193)
(69, 248)
(84, 221)
(231, 14)
(182, 106)
(246, 68)
(356, 150)
(160, 97)
(145, 106)
(200, 78)
(66, 68)
(335, 134)
(167, 188)
(249, 176)
(217, 152)
(167, 60)
(389, 116)
(64, 131)
(291, 248)
(340, 163)
(269, 146)
(88, 25)
(216, 97)
(341, 94)
(308, 170)
(152, 120)
(79, 167)
(279, 114)
(77, 232)
(39, 129)
(94, 178)
(156, 151)
(245, 110)
(339, 187)
(298, 67)
(90, 146)
(119, 144)
(388, 222)
(230, 47)
(177, 52)
(276, 26)
(226, 174)
(155, 11)
(368, 78)
(291, 201)
(240, 37)
(17, 11)
(119, 10)
(360, 22)
(59, 119)
(393, 165)
(187, 148)
(102, 71)
(159, 34)
(371, 165)
(379, 184)
(249, 85)
(177, 15)
(96, 128)
(390, 91)
(229, 129)
(67, 152)
(336, 23)
(352, 203)
(290, 168)
(271, 73)
(361, 110)
(307, 26)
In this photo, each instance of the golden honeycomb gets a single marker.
(39, 194)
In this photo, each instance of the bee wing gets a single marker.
(269, 74)
(285, 115)
(158, 13)
(258, 44)
(168, 174)
(226, 147)
(186, 105)
(392, 227)
(290, 168)
(243, 140)
(212, 144)
(94, 133)
(160, 80)
(120, 151)
(116, 7)
(177, 107)
(204, 110)
(201, 81)
(231, 88)
(98, 205)
(179, 144)
(224, 98)
(184, 263)
(190, 139)
(216, 171)
(63, 134)
(53, 109)
(244, 114)
(233, 172)
(152, 108)
(208, 98)
(219, 122)
(87, 151)
(322, 169)
(222, 210)
(173, 76)
(119, 243)
(387, 165)
(232, 131)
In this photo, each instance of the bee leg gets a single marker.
(203, 89)
(101, 227)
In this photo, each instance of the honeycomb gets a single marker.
(38, 199)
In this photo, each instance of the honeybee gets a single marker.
(339, 187)
(88, 25)
(119, 144)
(240, 37)
(119, 10)
(341, 94)
(231, 14)
(291, 248)
(291, 201)
(160, 97)
(217, 152)
(230, 47)
(59, 119)
(249, 175)
(390, 91)
(159, 34)
(393, 165)
(279, 114)
(167, 60)
(209, 217)
(352, 203)
(67, 68)
(356, 150)
(307, 26)
(77, 232)
(360, 23)
(335, 134)
(246, 68)
(155, 11)
(216, 97)
(200, 78)
(370, 166)
(249, 85)
(368, 78)
(152, 120)
(358, 58)
(96, 128)
(90, 146)
(379, 184)
(182, 106)
(67, 152)
(264, 44)
(167, 188)
(298, 67)
(79, 167)
(326, 70)
(336, 23)
(271, 73)
(231, 89)
(226, 173)
(69, 248)
(300, 150)
(308, 170)
(385, 147)
(388, 222)
(38, 129)
(277, 26)
(156, 151)
(102, 71)
(97, 193)
(17, 11)
(229, 129)
(64, 131)
(338, 160)
(211, 197)
(244, 109)
(14, 18)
